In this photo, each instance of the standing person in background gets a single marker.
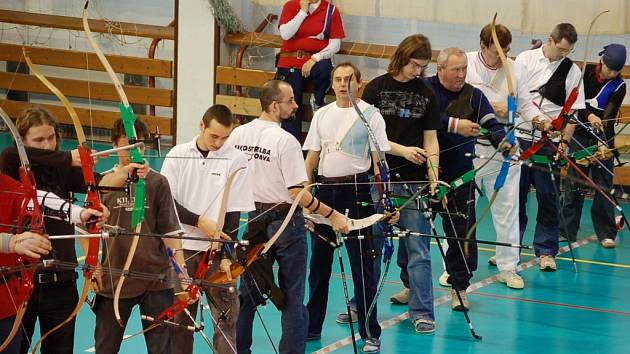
(311, 31)
(198, 183)
(604, 90)
(341, 151)
(277, 166)
(486, 72)
(151, 296)
(464, 110)
(55, 293)
(550, 76)
(412, 118)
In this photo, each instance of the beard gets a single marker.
(290, 118)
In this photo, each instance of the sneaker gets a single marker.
(547, 263)
(492, 261)
(443, 279)
(424, 326)
(342, 317)
(455, 304)
(313, 336)
(371, 345)
(401, 298)
(511, 279)
(608, 243)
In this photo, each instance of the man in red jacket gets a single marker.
(311, 31)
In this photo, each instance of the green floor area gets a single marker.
(561, 312)
(557, 312)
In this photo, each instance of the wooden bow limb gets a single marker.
(353, 224)
(258, 251)
(92, 200)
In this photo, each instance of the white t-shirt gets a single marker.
(330, 126)
(275, 159)
(537, 71)
(493, 83)
(198, 184)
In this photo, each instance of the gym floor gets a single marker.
(557, 312)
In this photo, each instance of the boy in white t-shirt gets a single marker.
(197, 173)
(277, 166)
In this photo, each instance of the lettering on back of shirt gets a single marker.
(255, 152)
(127, 203)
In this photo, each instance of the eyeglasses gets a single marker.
(418, 65)
(292, 100)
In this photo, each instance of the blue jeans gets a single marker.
(290, 252)
(546, 235)
(414, 259)
(320, 75)
(342, 198)
(379, 242)
(108, 334)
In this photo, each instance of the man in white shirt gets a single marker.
(198, 172)
(486, 72)
(550, 76)
(340, 149)
(277, 166)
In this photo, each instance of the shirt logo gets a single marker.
(255, 152)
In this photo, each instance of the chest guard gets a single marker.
(461, 107)
(555, 88)
(355, 141)
(602, 98)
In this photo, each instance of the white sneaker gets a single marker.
(511, 279)
(401, 298)
(371, 345)
(455, 304)
(608, 243)
(547, 263)
(443, 279)
(492, 261)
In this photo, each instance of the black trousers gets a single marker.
(461, 257)
(51, 303)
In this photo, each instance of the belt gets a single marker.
(299, 54)
(342, 179)
(61, 277)
(274, 206)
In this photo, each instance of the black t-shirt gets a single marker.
(409, 108)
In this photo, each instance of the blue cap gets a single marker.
(614, 56)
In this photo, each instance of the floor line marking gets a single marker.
(557, 304)
(443, 299)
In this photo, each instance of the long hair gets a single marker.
(34, 117)
(415, 46)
